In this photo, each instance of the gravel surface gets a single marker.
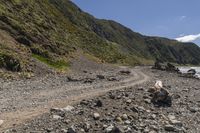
(127, 109)
(24, 99)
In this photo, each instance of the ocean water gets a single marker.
(185, 69)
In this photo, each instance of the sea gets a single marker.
(185, 69)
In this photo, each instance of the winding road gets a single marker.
(23, 101)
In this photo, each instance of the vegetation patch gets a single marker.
(9, 63)
(57, 64)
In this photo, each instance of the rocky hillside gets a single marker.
(55, 31)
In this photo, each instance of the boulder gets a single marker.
(191, 72)
(160, 95)
(171, 67)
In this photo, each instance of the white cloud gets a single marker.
(188, 38)
(182, 17)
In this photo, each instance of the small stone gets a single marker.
(171, 117)
(186, 90)
(57, 117)
(146, 130)
(113, 129)
(127, 122)
(193, 110)
(124, 116)
(177, 123)
(100, 77)
(129, 101)
(147, 101)
(140, 88)
(71, 130)
(155, 128)
(148, 111)
(1, 122)
(153, 116)
(98, 103)
(86, 127)
(118, 119)
(96, 116)
(68, 108)
(170, 128)
(64, 131)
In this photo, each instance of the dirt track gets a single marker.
(24, 100)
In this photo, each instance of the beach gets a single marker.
(128, 109)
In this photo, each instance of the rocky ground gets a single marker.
(127, 110)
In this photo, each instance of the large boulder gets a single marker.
(160, 95)
(171, 67)
(191, 72)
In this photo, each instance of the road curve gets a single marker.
(78, 93)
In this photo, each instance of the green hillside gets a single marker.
(55, 31)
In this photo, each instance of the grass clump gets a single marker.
(58, 64)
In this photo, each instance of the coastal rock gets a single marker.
(191, 72)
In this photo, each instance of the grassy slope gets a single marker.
(53, 30)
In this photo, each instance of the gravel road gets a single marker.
(24, 100)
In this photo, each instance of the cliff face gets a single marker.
(52, 31)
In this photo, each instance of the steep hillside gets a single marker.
(54, 31)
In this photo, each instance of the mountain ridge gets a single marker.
(53, 31)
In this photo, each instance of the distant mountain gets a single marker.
(55, 31)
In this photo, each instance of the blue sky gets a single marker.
(166, 18)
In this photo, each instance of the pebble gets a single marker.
(57, 117)
(118, 119)
(170, 128)
(177, 123)
(193, 109)
(1, 122)
(68, 108)
(96, 116)
(171, 117)
(125, 117)
(113, 129)
(147, 101)
(129, 101)
(71, 130)
(127, 122)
